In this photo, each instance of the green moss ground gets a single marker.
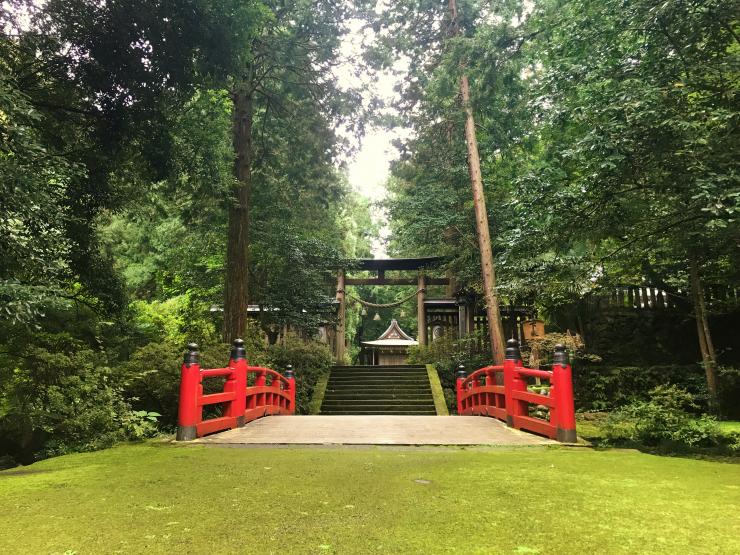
(729, 426)
(162, 498)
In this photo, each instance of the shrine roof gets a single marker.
(394, 331)
(391, 342)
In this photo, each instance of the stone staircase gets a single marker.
(378, 390)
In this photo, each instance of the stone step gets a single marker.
(376, 387)
(375, 390)
(413, 383)
(369, 380)
(430, 412)
(387, 376)
(375, 402)
(379, 395)
(379, 368)
(363, 393)
(382, 374)
(391, 390)
(376, 379)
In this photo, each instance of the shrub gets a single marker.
(449, 347)
(152, 374)
(60, 396)
(728, 379)
(603, 388)
(663, 420)
(151, 377)
(310, 360)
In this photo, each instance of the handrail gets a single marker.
(486, 370)
(267, 371)
(241, 402)
(534, 373)
(216, 372)
(512, 400)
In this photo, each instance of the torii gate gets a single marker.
(381, 265)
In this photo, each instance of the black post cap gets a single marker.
(512, 350)
(238, 352)
(461, 373)
(561, 355)
(191, 357)
(289, 373)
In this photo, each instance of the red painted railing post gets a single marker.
(277, 384)
(512, 381)
(260, 380)
(461, 375)
(563, 381)
(188, 410)
(290, 376)
(238, 362)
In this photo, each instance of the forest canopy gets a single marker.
(164, 166)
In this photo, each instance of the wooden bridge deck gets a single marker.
(375, 430)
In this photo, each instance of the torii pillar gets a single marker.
(421, 316)
(341, 319)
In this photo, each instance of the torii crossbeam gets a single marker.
(380, 266)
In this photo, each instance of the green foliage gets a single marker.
(151, 376)
(447, 354)
(450, 348)
(605, 129)
(33, 184)
(162, 319)
(310, 361)
(663, 420)
(291, 275)
(633, 103)
(61, 396)
(729, 391)
(601, 387)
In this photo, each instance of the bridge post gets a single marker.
(260, 380)
(461, 375)
(563, 383)
(290, 376)
(188, 409)
(512, 382)
(238, 363)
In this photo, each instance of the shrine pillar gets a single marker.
(421, 315)
(340, 341)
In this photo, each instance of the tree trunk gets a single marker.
(709, 358)
(481, 216)
(236, 297)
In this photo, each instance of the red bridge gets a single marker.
(502, 392)
(249, 392)
(245, 393)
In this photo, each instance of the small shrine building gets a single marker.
(392, 346)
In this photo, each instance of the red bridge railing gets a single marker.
(502, 392)
(269, 393)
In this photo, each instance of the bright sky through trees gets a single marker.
(368, 169)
